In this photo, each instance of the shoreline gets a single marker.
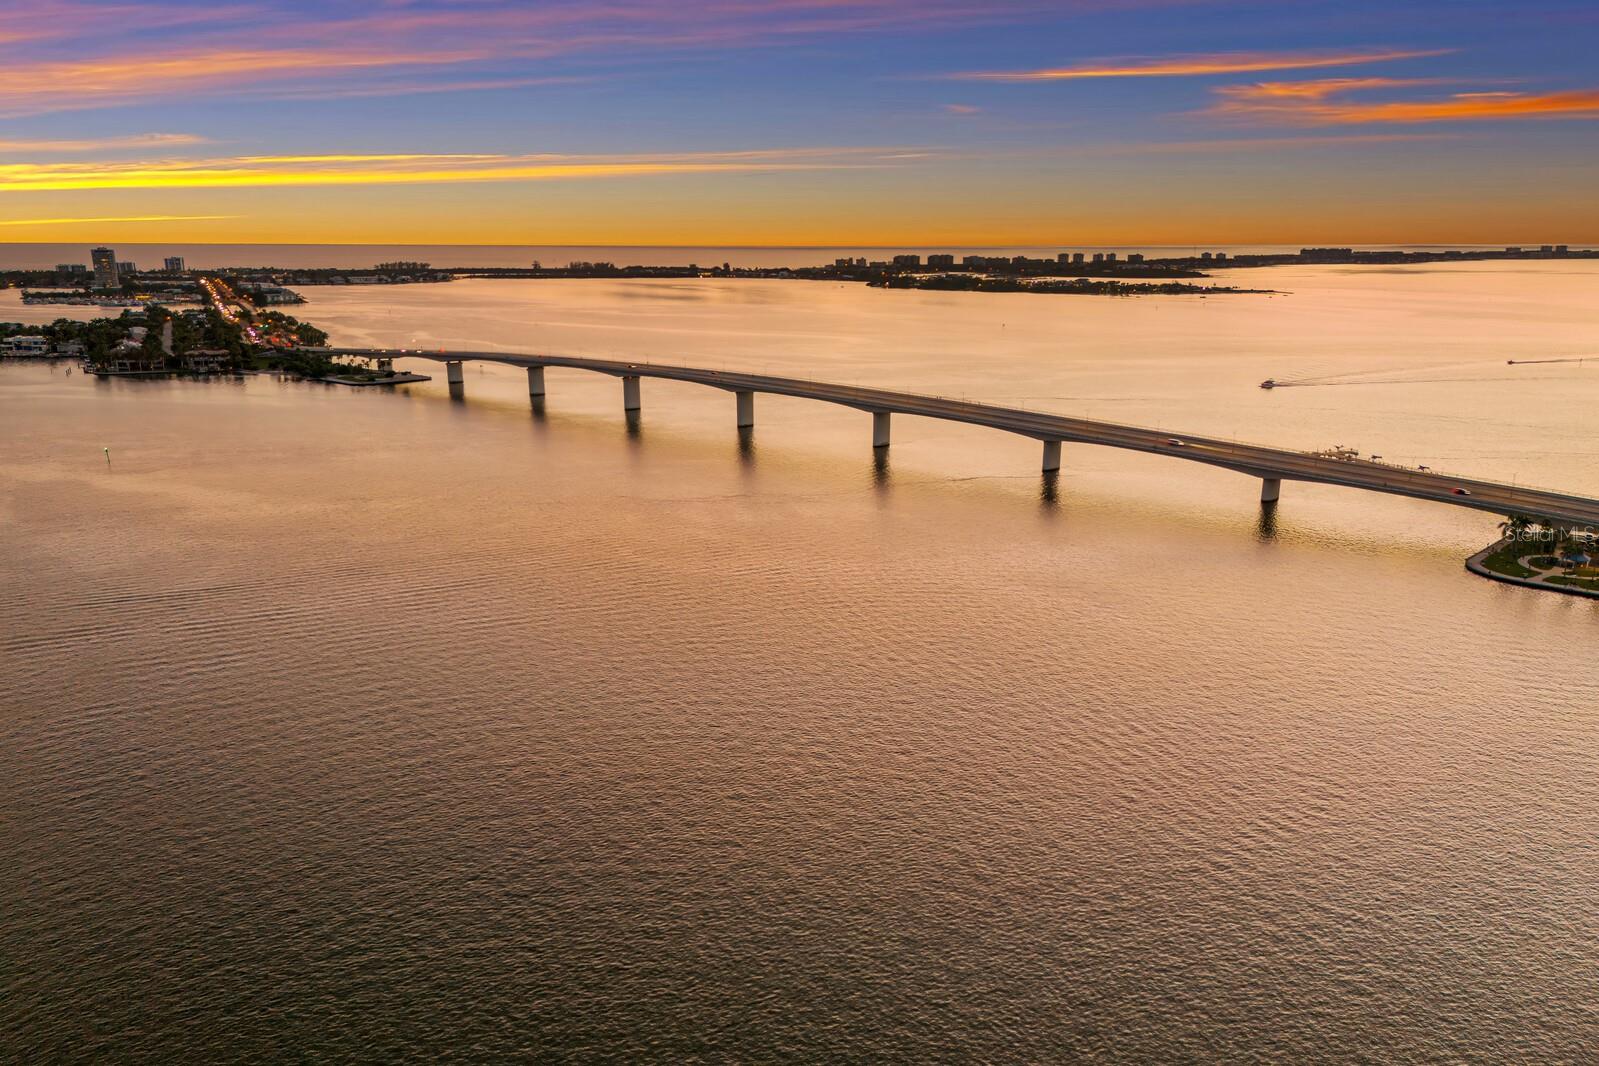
(1477, 564)
(392, 379)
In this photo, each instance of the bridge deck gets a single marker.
(1255, 460)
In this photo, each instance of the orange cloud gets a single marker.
(1324, 103)
(118, 218)
(1233, 145)
(137, 140)
(118, 78)
(403, 169)
(1319, 89)
(1583, 103)
(1215, 63)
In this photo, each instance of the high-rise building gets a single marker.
(71, 268)
(174, 264)
(105, 268)
(126, 268)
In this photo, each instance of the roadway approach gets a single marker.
(1272, 466)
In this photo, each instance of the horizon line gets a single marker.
(1305, 242)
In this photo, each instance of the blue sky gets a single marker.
(827, 122)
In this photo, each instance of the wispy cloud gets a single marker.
(1203, 64)
(1333, 102)
(1317, 89)
(101, 144)
(961, 109)
(113, 218)
(413, 168)
(419, 87)
(100, 60)
(1234, 145)
(85, 82)
(47, 20)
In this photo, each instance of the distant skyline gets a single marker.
(799, 122)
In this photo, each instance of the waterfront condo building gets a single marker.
(105, 268)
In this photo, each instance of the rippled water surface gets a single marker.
(368, 724)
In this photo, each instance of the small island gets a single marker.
(1537, 553)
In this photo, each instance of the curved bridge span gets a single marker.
(1272, 465)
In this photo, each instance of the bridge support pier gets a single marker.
(453, 373)
(746, 409)
(880, 429)
(535, 381)
(630, 393)
(1051, 456)
(1271, 489)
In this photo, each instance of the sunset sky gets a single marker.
(800, 122)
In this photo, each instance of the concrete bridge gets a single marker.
(1272, 466)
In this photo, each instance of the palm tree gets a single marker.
(1515, 526)
(1558, 535)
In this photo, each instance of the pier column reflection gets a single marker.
(1049, 488)
(1266, 524)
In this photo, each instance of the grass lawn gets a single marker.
(1504, 561)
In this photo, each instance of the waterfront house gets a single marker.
(31, 346)
(135, 362)
(206, 361)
